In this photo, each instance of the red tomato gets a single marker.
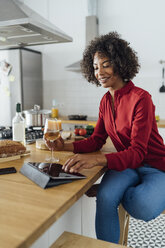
(76, 131)
(82, 131)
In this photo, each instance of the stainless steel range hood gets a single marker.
(91, 30)
(91, 33)
(21, 26)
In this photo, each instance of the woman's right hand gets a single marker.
(57, 145)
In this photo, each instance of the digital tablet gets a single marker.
(55, 171)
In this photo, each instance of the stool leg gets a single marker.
(126, 230)
(124, 225)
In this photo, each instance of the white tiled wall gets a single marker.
(162, 133)
(152, 85)
(75, 96)
(145, 34)
(138, 24)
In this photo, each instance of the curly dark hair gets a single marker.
(122, 57)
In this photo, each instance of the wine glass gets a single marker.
(51, 133)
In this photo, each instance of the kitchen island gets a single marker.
(26, 210)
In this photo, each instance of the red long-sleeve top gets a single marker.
(132, 129)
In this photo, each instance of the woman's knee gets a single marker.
(113, 185)
(140, 207)
(145, 211)
(106, 197)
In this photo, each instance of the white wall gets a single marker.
(140, 22)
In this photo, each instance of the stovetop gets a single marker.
(31, 133)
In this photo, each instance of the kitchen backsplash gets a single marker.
(77, 96)
(73, 96)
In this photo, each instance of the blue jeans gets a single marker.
(141, 192)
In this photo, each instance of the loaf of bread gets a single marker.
(11, 148)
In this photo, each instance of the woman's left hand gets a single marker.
(84, 161)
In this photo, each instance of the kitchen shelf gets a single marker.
(161, 123)
(65, 120)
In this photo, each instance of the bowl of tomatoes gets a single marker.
(81, 131)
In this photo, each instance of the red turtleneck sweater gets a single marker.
(132, 129)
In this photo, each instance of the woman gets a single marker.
(136, 172)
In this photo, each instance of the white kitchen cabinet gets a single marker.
(88, 216)
(42, 242)
(70, 221)
(80, 219)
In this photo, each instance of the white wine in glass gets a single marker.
(51, 133)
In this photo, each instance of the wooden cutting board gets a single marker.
(15, 157)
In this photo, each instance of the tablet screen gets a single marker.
(55, 171)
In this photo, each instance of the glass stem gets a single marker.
(52, 154)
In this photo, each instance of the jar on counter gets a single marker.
(54, 111)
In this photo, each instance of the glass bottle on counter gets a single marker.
(54, 112)
(18, 125)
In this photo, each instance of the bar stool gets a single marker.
(72, 240)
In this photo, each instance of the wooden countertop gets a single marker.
(26, 210)
(65, 120)
(161, 123)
